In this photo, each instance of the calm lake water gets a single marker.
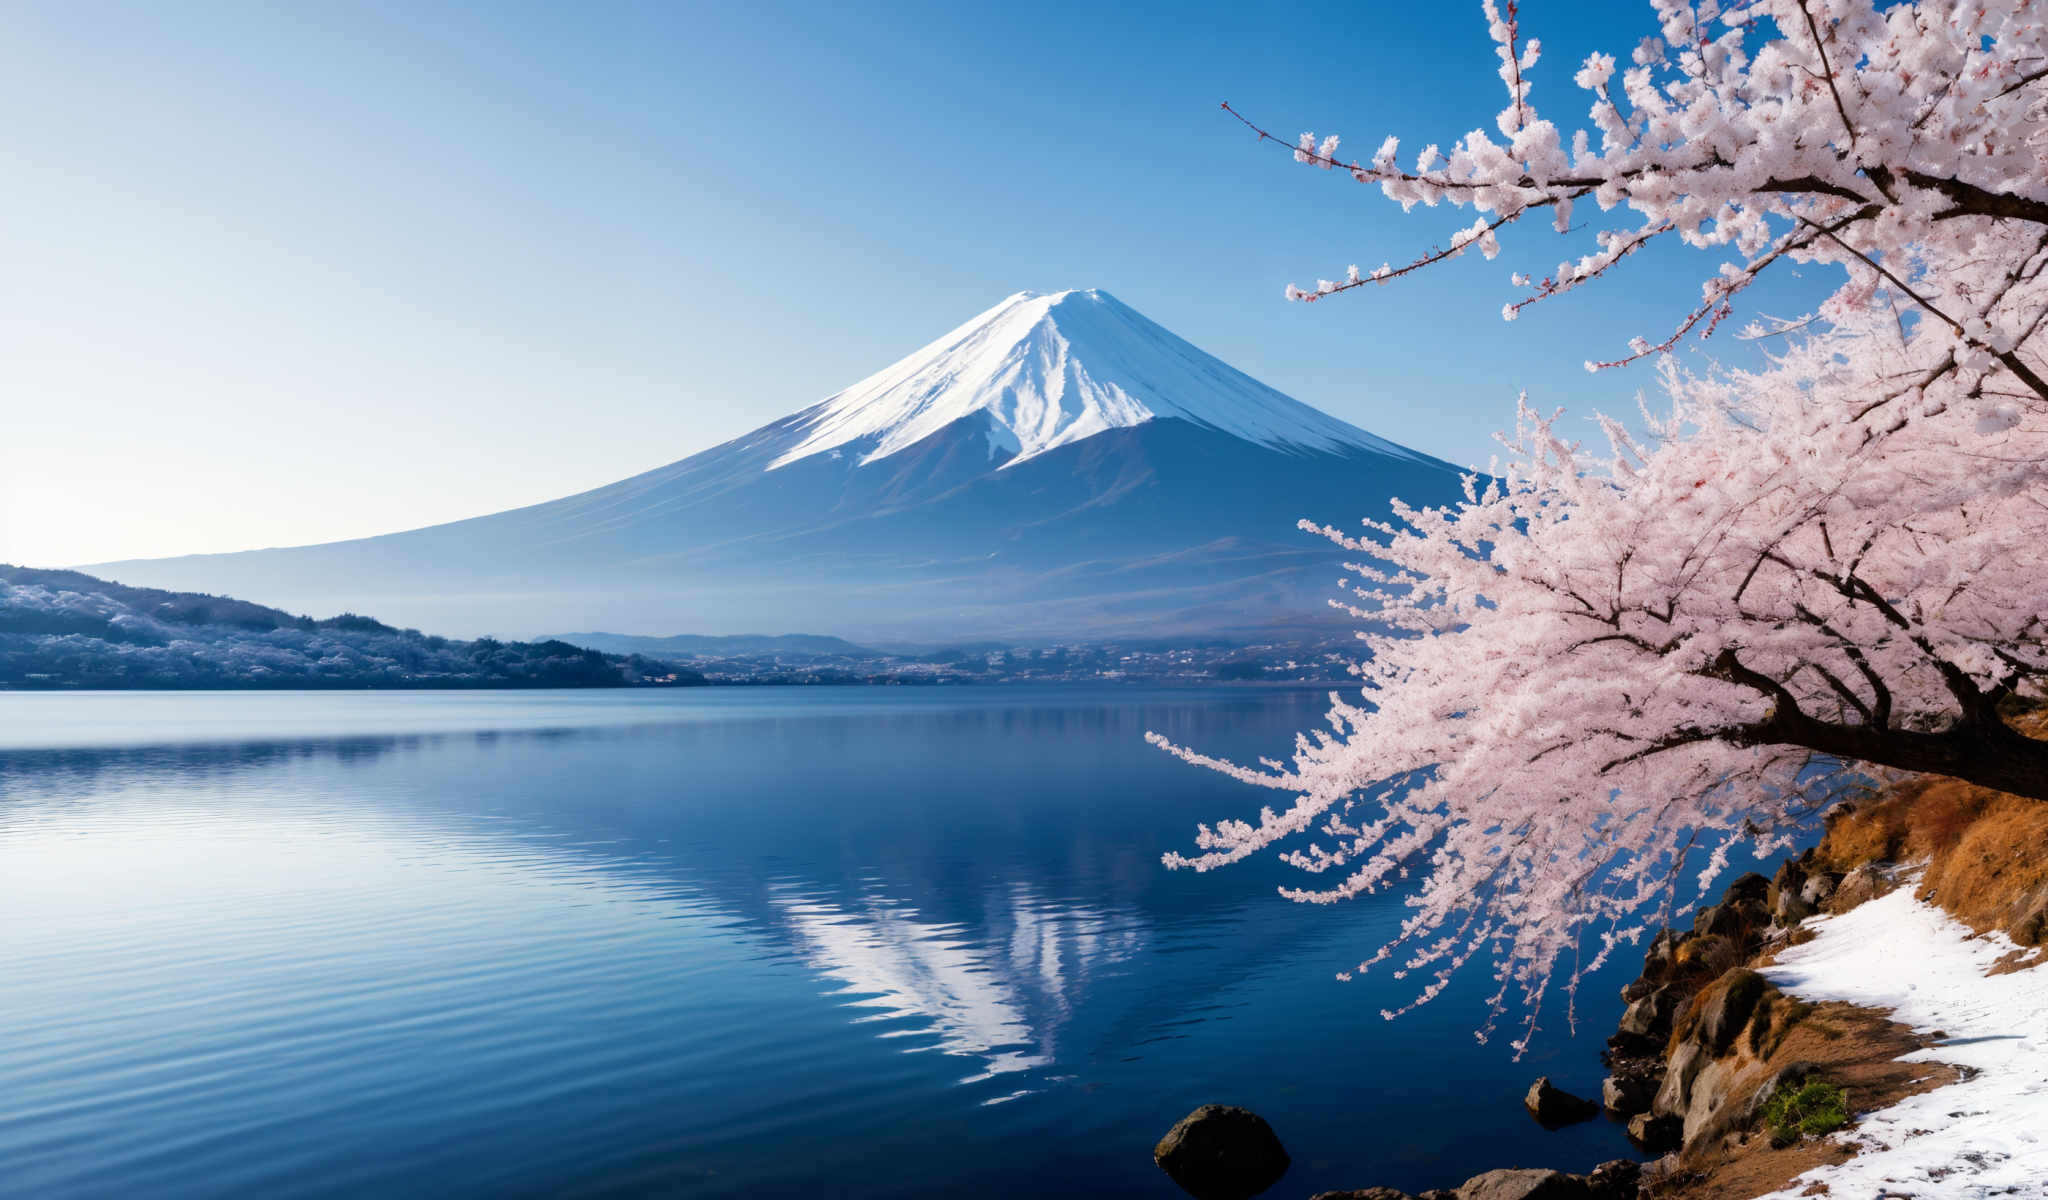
(747, 942)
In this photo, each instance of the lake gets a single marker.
(844, 942)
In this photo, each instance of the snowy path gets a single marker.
(1985, 1136)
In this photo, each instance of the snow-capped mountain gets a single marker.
(1060, 466)
(1050, 370)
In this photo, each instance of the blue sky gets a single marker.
(274, 274)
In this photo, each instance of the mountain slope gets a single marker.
(1058, 467)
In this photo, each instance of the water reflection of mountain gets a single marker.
(970, 899)
(998, 994)
(775, 944)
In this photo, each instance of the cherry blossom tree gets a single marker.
(1600, 664)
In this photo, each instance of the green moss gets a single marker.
(1809, 1109)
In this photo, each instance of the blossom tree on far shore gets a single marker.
(1840, 559)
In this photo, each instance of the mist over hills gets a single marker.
(1059, 466)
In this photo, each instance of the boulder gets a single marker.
(1219, 1152)
(1819, 889)
(1371, 1193)
(1867, 882)
(1553, 1107)
(1791, 908)
(1674, 1095)
(1660, 1170)
(1626, 1093)
(1619, 1179)
(1651, 1016)
(1709, 1077)
(1708, 954)
(1658, 958)
(1737, 920)
(1791, 877)
(1656, 1134)
(1524, 1184)
(1751, 887)
(1715, 1088)
(1726, 1008)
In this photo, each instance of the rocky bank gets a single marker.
(1702, 1051)
(1708, 1041)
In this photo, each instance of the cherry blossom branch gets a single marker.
(1827, 72)
(2011, 360)
(1808, 575)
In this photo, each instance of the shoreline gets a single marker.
(1887, 970)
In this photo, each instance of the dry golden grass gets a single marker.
(1994, 874)
(1867, 831)
(1986, 852)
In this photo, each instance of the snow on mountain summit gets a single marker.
(1051, 369)
(1161, 496)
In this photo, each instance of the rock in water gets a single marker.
(1218, 1152)
(1524, 1185)
(1552, 1106)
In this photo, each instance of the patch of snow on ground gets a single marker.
(1984, 1136)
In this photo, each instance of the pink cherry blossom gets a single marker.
(1585, 683)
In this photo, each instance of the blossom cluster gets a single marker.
(1600, 671)
(1818, 131)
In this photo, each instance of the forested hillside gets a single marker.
(67, 629)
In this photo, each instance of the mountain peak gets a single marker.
(1179, 518)
(1048, 369)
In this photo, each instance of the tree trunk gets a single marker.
(1987, 753)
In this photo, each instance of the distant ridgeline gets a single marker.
(65, 629)
(70, 630)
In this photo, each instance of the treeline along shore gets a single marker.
(66, 629)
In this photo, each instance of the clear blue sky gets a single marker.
(274, 274)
